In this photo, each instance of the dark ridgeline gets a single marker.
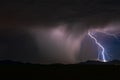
(89, 62)
(55, 71)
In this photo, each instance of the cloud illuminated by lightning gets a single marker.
(66, 44)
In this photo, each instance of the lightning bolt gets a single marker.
(103, 50)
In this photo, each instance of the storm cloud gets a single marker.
(56, 27)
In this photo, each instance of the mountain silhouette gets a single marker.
(113, 62)
(88, 68)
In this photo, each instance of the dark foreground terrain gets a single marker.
(58, 71)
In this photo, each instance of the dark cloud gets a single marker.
(78, 16)
(51, 12)
(18, 45)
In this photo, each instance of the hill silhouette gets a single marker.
(91, 62)
(88, 68)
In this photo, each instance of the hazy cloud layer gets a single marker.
(58, 27)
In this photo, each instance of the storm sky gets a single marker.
(51, 31)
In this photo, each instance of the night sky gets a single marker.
(49, 31)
